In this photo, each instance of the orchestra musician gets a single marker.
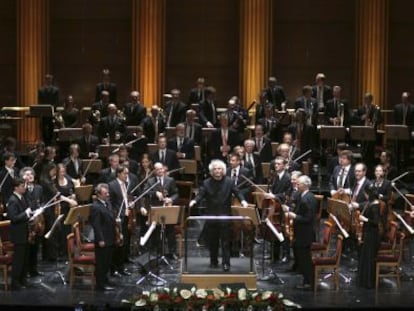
(111, 127)
(118, 192)
(383, 188)
(284, 151)
(154, 124)
(271, 125)
(34, 198)
(124, 157)
(108, 174)
(7, 173)
(223, 140)
(193, 129)
(387, 161)
(175, 109)
(279, 188)
(182, 145)
(137, 142)
(236, 115)
(19, 213)
(303, 220)
(164, 194)
(309, 105)
(208, 112)
(134, 110)
(99, 108)
(49, 158)
(263, 144)
(274, 94)
(321, 91)
(102, 220)
(199, 93)
(88, 143)
(254, 161)
(166, 156)
(70, 114)
(369, 218)
(107, 86)
(74, 164)
(343, 177)
(337, 109)
(217, 192)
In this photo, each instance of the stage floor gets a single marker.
(48, 292)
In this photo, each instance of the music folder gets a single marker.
(81, 211)
(250, 212)
(340, 209)
(42, 111)
(397, 132)
(167, 215)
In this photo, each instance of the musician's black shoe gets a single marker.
(125, 272)
(226, 267)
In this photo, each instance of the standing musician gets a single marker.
(369, 220)
(279, 189)
(223, 140)
(182, 145)
(111, 127)
(119, 200)
(74, 164)
(34, 197)
(19, 213)
(217, 192)
(164, 194)
(88, 143)
(154, 124)
(263, 144)
(274, 93)
(253, 159)
(102, 220)
(193, 129)
(303, 220)
(7, 173)
(337, 109)
(165, 156)
(175, 109)
(383, 188)
(108, 174)
(271, 125)
(208, 109)
(343, 178)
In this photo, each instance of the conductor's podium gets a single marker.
(196, 270)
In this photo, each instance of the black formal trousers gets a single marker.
(218, 231)
(303, 258)
(103, 258)
(20, 258)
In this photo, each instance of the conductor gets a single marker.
(217, 192)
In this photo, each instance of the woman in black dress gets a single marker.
(383, 188)
(370, 218)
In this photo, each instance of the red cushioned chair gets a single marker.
(83, 248)
(322, 248)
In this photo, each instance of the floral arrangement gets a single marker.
(209, 299)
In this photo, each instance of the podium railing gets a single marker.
(216, 218)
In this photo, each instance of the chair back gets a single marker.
(70, 241)
(76, 232)
(338, 253)
(400, 249)
(327, 233)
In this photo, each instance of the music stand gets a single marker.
(106, 150)
(84, 193)
(328, 132)
(363, 133)
(250, 212)
(397, 132)
(95, 165)
(69, 134)
(41, 111)
(169, 132)
(79, 212)
(164, 216)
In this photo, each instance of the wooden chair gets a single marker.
(266, 169)
(83, 248)
(318, 215)
(328, 263)
(5, 265)
(388, 265)
(197, 153)
(7, 245)
(388, 246)
(85, 263)
(322, 248)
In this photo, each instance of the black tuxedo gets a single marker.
(87, 145)
(175, 112)
(187, 147)
(256, 170)
(271, 128)
(148, 126)
(265, 151)
(281, 187)
(106, 126)
(244, 186)
(48, 95)
(398, 115)
(303, 226)
(208, 112)
(107, 175)
(138, 148)
(275, 95)
(326, 90)
(102, 108)
(102, 220)
(359, 197)
(372, 113)
(134, 113)
(197, 95)
(7, 187)
(19, 230)
(384, 189)
(171, 160)
(332, 110)
(217, 195)
(349, 179)
(195, 133)
(71, 168)
(110, 87)
(216, 142)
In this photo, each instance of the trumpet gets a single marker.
(121, 115)
(58, 120)
(96, 115)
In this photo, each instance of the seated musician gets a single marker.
(166, 156)
(7, 173)
(70, 114)
(165, 193)
(88, 143)
(280, 186)
(383, 188)
(342, 179)
(254, 161)
(74, 165)
(283, 151)
(263, 144)
(182, 145)
(112, 127)
(123, 153)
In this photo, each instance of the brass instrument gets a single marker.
(121, 115)
(58, 120)
(375, 116)
(96, 115)
(341, 114)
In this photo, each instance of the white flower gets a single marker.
(175, 290)
(145, 293)
(228, 290)
(167, 290)
(266, 295)
(242, 293)
(254, 295)
(141, 303)
(154, 297)
(201, 293)
(193, 290)
(218, 293)
(185, 293)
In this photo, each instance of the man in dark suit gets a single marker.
(99, 109)
(119, 200)
(102, 220)
(403, 114)
(175, 109)
(112, 126)
(193, 130)
(123, 153)
(342, 180)
(237, 174)
(217, 192)
(48, 94)
(279, 189)
(106, 85)
(223, 140)
(74, 164)
(208, 112)
(88, 143)
(108, 174)
(303, 220)
(263, 144)
(254, 161)
(138, 143)
(337, 108)
(7, 173)
(19, 214)
(134, 110)
(321, 91)
(164, 194)
(199, 93)
(182, 145)
(164, 155)
(34, 198)
(274, 93)
(309, 104)
(153, 125)
(271, 125)
(358, 199)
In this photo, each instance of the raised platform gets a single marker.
(199, 273)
